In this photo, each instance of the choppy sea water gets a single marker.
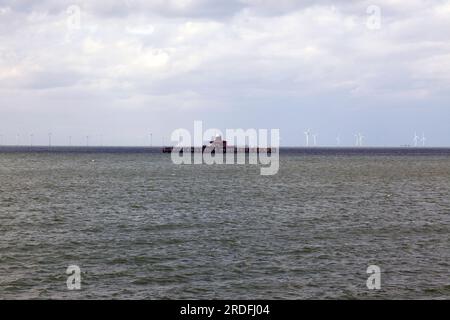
(139, 226)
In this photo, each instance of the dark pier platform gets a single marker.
(216, 149)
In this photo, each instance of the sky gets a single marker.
(118, 71)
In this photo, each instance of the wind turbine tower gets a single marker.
(416, 140)
(307, 134)
(357, 140)
(424, 139)
(360, 139)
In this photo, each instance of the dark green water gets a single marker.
(140, 227)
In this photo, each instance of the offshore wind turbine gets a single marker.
(338, 141)
(423, 140)
(314, 139)
(357, 140)
(307, 134)
(416, 140)
(50, 139)
(360, 137)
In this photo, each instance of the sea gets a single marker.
(138, 226)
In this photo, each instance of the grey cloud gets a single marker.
(121, 8)
(51, 80)
(212, 9)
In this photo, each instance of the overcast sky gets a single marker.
(118, 70)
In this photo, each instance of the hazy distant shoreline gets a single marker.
(287, 150)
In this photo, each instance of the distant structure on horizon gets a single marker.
(359, 140)
(314, 139)
(307, 134)
(218, 144)
(419, 141)
(416, 140)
